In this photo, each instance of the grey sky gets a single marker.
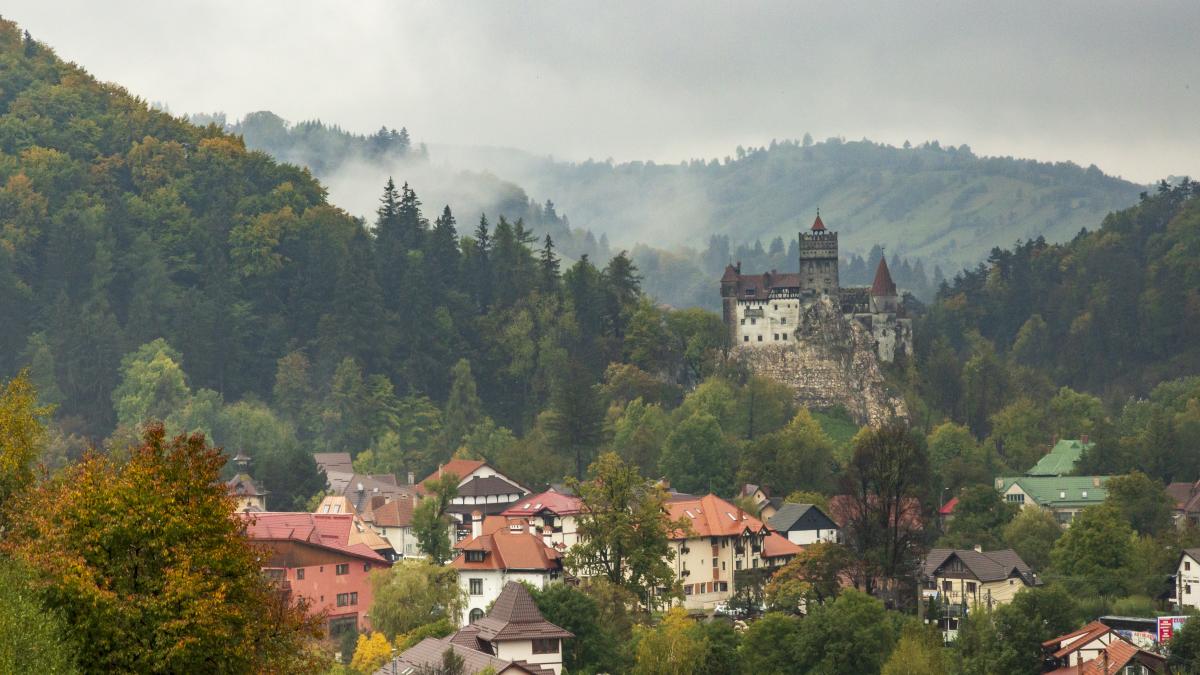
(1110, 83)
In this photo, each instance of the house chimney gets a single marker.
(978, 548)
(360, 487)
(1095, 481)
(476, 523)
(411, 478)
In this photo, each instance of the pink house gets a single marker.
(319, 557)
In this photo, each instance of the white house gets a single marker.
(804, 524)
(488, 561)
(1187, 579)
(552, 514)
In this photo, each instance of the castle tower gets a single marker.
(729, 286)
(819, 260)
(884, 298)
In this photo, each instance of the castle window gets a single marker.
(785, 336)
(750, 292)
(775, 307)
(777, 336)
(753, 322)
(743, 322)
(783, 321)
(760, 338)
(745, 338)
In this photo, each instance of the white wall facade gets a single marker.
(1187, 582)
(694, 566)
(493, 584)
(803, 537)
(764, 322)
(522, 650)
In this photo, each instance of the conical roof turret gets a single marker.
(883, 284)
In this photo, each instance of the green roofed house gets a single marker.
(1050, 486)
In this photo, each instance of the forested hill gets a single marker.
(1113, 311)
(942, 204)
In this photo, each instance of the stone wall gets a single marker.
(830, 362)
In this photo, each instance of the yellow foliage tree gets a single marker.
(21, 434)
(371, 653)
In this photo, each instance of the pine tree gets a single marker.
(481, 272)
(549, 266)
(442, 254)
(463, 408)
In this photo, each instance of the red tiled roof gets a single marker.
(554, 502)
(883, 284)
(712, 516)
(242, 485)
(1119, 652)
(761, 285)
(1078, 638)
(459, 467)
(817, 225)
(396, 513)
(948, 507)
(842, 509)
(777, 546)
(326, 530)
(731, 272)
(507, 550)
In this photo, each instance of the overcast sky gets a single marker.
(1113, 83)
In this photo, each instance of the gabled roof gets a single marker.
(1059, 490)
(334, 461)
(985, 565)
(883, 285)
(507, 550)
(242, 485)
(778, 546)
(554, 502)
(1117, 655)
(488, 486)
(763, 286)
(396, 513)
(427, 654)
(844, 508)
(514, 616)
(335, 532)
(1077, 639)
(731, 273)
(1061, 459)
(1183, 494)
(712, 516)
(788, 515)
(459, 467)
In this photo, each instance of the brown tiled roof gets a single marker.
(1181, 493)
(777, 546)
(488, 486)
(555, 502)
(514, 616)
(396, 513)
(1119, 652)
(428, 654)
(760, 286)
(883, 284)
(1078, 638)
(334, 461)
(459, 467)
(507, 550)
(242, 485)
(986, 565)
(712, 516)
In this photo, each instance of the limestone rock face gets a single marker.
(830, 361)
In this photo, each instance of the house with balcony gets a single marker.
(552, 514)
(723, 539)
(1098, 649)
(958, 581)
(316, 556)
(512, 639)
(500, 552)
(1187, 580)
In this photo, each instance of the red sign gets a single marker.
(1167, 625)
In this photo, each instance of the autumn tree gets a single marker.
(815, 574)
(36, 639)
(181, 591)
(370, 653)
(624, 530)
(919, 650)
(21, 434)
(674, 647)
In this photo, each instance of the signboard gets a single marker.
(1167, 625)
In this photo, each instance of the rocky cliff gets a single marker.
(832, 361)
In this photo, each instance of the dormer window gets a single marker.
(475, 556)
(749, 292)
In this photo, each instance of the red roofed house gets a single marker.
(480, 488)
(724, 539)
(513, 639)
(501, 551)
(314, 555)
(1097, 649)
(554, 515)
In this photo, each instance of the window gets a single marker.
(344, 599)
(946, 585)
(714, 562)
(299, 574)
(1084, 494)
(545, 646)
(476, 586)
(343, 624)
(687, 589)
(275, 574)
(366, 567)
(775, 307)
(750, 292)
(760, 338)
(785, 336)
(343, 568)
(723, 586)
(737, 565)
(743, 322)
(754, 564)
(745, 338)
(1015, 498)
(777, 336)
(1187, 589)
(474, 556)
(753, 322)
(722, 565)
(783, 321)
(970, 586)
(1062, 494)
(1187, 565)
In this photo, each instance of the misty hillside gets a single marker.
(944, 205)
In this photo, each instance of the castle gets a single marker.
(767, 309)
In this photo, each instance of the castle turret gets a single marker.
(729, 285)
(884, 298)
(819, 260)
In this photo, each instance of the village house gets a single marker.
(317, 557)
(361, 532)
(723, 539)
(250, 496)
(957, 581)
(481, 488)
(553, 515)
(1097, 649)
(804, 524)
(392, 520)
(1187, 503)
(501, 551)
(1050, 485)
(513, 639)
(1187, 579)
